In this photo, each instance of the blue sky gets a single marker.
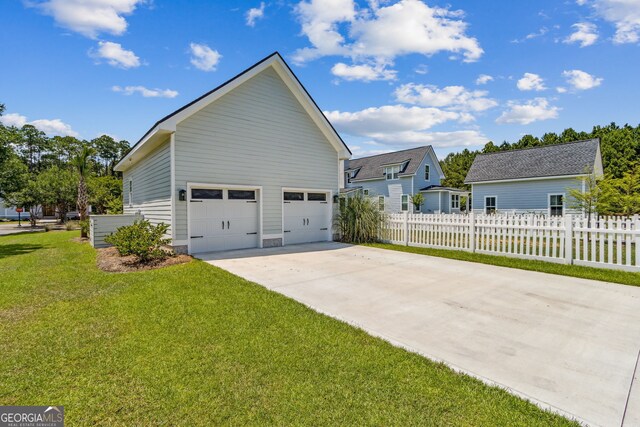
(389, 74)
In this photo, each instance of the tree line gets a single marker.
(617, 193)
(63, 172)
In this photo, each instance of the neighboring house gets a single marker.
(392, 178)
(9, 212)
(252, 163)
(533, 180)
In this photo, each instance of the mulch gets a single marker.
(109, 259)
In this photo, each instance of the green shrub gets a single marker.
(359, 220)
(142, 239)
(49, 227)
(85, 225)
(72, 225)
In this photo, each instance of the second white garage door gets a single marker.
(306, 217)
(223, 219)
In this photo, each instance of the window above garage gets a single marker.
(242, 195)
(206, 193)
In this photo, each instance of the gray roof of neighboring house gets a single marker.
(572, 158)
(442, 188)
(372, 167)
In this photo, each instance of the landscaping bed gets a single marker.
(108, 259)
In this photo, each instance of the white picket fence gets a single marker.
(605, 242)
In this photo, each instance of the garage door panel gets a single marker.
(306, 220)
(224, 224)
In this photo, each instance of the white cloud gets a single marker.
(363, 72)
(13, 119)
(483, 79)
(203, 57)
(254, 14)
(451, 97)
(49, 126)
(90, 17)
(585, 33)
(561, 89)
(115, 55)
(531, 81)
(398, 126)
(531, 111)
(581, 80)
(624, 14)
(145, 92)
(389, 118)
(541, 32)
(407, 139)
(334, 27)
(422, 69)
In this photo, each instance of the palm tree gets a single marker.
(82, 163)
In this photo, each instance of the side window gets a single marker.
(405, 202)
(556, 204)
(427, 173)
(381, 203)
(455, 201)
(490, 204)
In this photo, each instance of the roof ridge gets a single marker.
(392, 152)
(541, 146)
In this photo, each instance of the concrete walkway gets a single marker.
(567, 344)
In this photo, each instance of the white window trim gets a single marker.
(485, 204)
(383, 203)
(454, 197)
(564, 202)
(427, 172)
(397, 174)
(401, 202)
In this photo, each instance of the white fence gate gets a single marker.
(604, 242)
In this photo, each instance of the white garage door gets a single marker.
(223, 219)
(306, 217)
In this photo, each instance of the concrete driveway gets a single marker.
(567, 344)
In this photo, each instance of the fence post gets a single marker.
(568, 238)
(472, 232)
(636, 228)
(405, 226)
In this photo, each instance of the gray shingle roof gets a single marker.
(373, 166)
(572, 158)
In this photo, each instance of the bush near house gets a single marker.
(141, 239)
(359, 220)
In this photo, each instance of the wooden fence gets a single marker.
(601, 242)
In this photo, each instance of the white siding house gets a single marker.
(533, 180)
(397, 176)
(252, 163)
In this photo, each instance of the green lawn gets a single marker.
(195, 345)
(614, 276)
